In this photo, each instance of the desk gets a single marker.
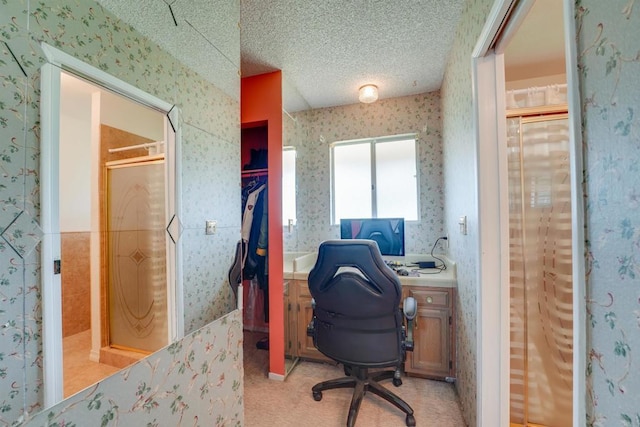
(434, 328)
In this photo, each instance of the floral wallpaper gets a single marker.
(210, 128)
(195, 381)
(609, 66)
(460, 195)
(314, 130)
(607, 37)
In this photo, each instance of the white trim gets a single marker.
(51, 283)
(175, 149)
(492, 361)
(491, 27)
(50, 112)
(578, 218)
(71, 63)
(277, 377)
(155, 144)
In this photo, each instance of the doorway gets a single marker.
(108, 172)
(506, 308)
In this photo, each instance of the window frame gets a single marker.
(289, 148)
(372, 144)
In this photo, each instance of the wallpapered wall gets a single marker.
(155, 390)
(314, 130)
(609, 63)
(609, 66)
(460, 194)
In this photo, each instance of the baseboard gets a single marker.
(277, 377)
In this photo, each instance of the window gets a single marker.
(375, 178)
(288, 185)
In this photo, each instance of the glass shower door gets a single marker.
(541, 311)
(137, 272)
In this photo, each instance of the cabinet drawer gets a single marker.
(431, 298)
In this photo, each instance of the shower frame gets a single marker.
(530, 115)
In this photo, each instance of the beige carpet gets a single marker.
(290, 403)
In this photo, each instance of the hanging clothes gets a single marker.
(262, 251)
(252, 204)
(252, 221)
(251, 259)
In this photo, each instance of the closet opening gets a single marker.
(255, 232)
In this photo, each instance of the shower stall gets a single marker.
(541, 309)
(136, 252)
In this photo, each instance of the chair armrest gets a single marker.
(410, 309)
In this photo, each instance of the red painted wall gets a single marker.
(260, 101)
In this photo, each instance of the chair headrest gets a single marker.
(361, 254)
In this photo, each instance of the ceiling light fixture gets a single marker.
(368, 93)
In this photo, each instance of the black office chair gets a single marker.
(382, 233)
(357, 320)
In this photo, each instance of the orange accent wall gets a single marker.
(260, 101)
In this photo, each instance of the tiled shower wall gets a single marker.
(76, 282)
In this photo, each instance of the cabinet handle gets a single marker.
(429, 300)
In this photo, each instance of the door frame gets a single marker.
(58, 61)
(492, 406)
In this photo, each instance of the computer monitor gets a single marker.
(387, 232)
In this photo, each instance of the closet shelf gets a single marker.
(255, 172)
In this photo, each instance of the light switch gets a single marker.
(462, 222)
(210, 227)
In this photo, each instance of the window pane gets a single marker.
(352, 181)
(288, 186)
(396, 179)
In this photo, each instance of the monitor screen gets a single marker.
(387, 232)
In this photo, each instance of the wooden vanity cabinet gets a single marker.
(433, 355)
(433, 330)
(304, 313)
(289, 321)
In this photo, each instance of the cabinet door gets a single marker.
(432, 355)
(289, 332)
(306, 348)
(431, 350)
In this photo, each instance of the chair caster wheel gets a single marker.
(397, 382)
(317, 396)
(411, 421)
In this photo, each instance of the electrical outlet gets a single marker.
(210, 227)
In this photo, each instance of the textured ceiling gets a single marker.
(327, 49)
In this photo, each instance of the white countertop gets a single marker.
(298, 265)
(291, 263)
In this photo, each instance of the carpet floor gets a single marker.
(290, 403)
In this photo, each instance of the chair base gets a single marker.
(361, 381)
